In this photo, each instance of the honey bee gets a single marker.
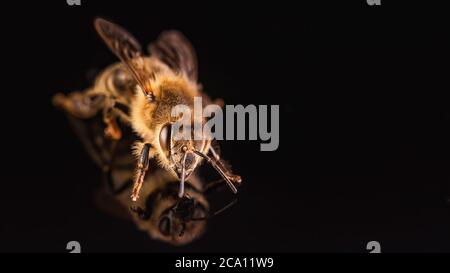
(159, 212)
(140, 92)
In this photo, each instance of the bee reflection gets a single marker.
(162, 214)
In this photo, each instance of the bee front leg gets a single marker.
(141, 170)
(221, 168)
(227, 170)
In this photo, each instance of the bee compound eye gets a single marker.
(164, 137)
(165, 226)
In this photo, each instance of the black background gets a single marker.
(364, 125)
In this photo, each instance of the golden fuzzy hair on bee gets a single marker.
(148, 117)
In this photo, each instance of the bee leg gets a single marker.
(110, 115)
(121, 115)
(142, 167)
(224, 171)
(112, 129)
(85, 105)
(80, 104)
(234, 178)
(80, 108)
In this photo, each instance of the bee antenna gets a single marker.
(218, 169)
(229, 205)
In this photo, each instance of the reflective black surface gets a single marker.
(364, 125)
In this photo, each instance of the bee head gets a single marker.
(177, 220)
(180, 219)
(172, 219)
(178, 147)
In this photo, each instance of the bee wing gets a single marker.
(175, 50)
(128, 50)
